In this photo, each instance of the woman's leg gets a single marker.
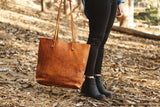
(98, 14)
(99, 60)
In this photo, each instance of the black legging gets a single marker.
(101, 14)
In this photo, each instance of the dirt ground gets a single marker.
(131, 65)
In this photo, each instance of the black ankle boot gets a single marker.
(89, 88)
(101, 88)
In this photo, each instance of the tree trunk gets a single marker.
(158, 13)
(4, 2)
(158, 7)
(78, 5)
(66, 7)
(136, 33)
(42, 7)
(127, 19)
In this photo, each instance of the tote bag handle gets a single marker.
(57, 26)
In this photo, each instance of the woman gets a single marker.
(101, 15)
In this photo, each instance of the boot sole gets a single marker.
(87, 95)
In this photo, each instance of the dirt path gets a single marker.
(131, 65)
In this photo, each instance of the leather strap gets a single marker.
(72, 25)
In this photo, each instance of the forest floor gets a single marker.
(131, 65)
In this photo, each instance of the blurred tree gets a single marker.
(77, 4)
(158, 12)
(46, 4)
(66, 7)
(4, 2)
(127, 20)
(42, 7)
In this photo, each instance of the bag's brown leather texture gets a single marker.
(60, 63)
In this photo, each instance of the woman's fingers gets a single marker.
(120, 11)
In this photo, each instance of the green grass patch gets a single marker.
(149, 16)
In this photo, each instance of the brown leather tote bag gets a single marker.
(60, 63)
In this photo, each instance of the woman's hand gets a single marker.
(120, 11)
